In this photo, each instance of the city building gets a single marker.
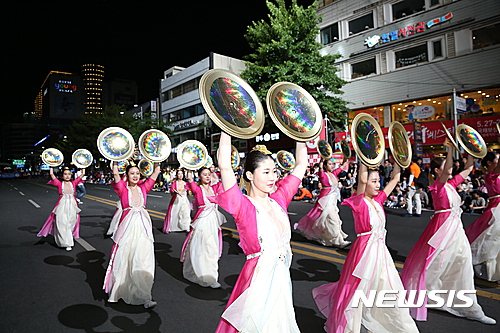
(404, 58)
(120, 92)
(181, 104)
(93, 79)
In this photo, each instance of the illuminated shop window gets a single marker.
(375, 112)
(481, 102)
(429, 109)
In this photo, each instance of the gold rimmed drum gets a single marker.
(235, 158)
(324, 149)
(346, 150)
(285, 160)
(231, 103)
(399, 143)
(192, 154)
(52, 157)
(472, 142)
(450, 137)
(82, 158)
(210, 162)
(368, 140)
(146, 167)
(154, 145)
(115, 144)
(294, 111)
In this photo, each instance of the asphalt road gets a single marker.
(46, 289)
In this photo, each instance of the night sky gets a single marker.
(134, 40)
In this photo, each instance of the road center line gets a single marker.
(34, 203)
(292, 213)
(85, 244)
(21, 193)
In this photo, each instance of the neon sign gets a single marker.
(65, 86)
(406, 31)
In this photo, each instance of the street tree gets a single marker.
(285, 49)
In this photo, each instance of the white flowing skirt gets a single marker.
(201, 255)
(486, 247)
(451, 266)
(377, 272)
(328, 226)
(66, 216)
(180, 216)
(133, 267)
(266, 306)
(116, 219)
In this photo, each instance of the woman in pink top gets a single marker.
(368, 267)
(64, 220)
(261, 300)
(484, 233)
(203, 245)
(178, 217)
(441, 259)
(131, 268)
(323, 223)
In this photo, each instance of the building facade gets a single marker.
(181, 105)
(93, 79)
(404, 58)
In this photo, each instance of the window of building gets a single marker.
(330, 34)
(375, 112)
(486, 36)
(436, 108)
(481, 102)
(411, 56)
(437, 49)
(200, 109)
(363, 68)
(176, 91)
(434, 2)
(361, 23)
(189, 112)
(407, 7)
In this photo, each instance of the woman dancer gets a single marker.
(441, 259)
(64, 220)
(368, 266)
(131, 266)
(203, 245)
(484, 233)
(323, 222)
(261, 300)
(178, 216)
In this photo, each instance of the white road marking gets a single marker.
(85, 245)
(34, 203)
(292, 213)
(21, 193)
(155, 196)
(104, 189)
(15, 188)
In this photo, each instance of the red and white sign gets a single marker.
(312, 145)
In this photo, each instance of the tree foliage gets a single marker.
(285, 49)
(83, 133)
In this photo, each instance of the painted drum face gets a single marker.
(52, 157)
(346, 150)
(235, 157)
(324, 149)
(82, 158)
(145, 167)
(472, 142)
(115, 143)
(192, 154)
(295, 110)
(155, 145)
(285, 160)
(122, 166)
(369, 142)
(233, 103)
(210, 162)
(399, 142)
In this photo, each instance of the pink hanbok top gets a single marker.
(492, 182)
(418, 260)
(333, 299)
(245, 216)
(48, 226)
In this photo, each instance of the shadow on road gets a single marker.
(320, 270)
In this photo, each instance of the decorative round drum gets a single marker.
(399, 142)
(450, 137)
(145, 167)
(285, 160)
(52, 157)
(231, 103)
(82, 158)
(210, 162)
(346, 150)
(235, 158)
(192, 154)
(154, 145)
(116, 144)
(368, 140)
(122, 166)
(324, 149)
(294, 111)
(472, 142)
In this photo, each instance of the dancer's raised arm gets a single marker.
(300, 160)
(448, 164)
(224, 159)
(362, 179)
(395, 177)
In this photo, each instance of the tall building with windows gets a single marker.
(181, 104)
(403, 58)
(93, 80)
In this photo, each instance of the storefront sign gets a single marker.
(423, 111)
(65, 86)
(461, 104)
(406, 31)
(267, 137)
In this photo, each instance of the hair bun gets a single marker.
(262, 148)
